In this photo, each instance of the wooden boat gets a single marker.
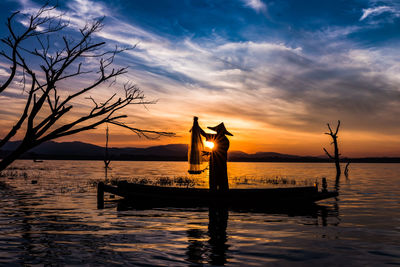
(148, 195)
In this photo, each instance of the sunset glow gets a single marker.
(209, 145)
(275, 80)
(199, 132)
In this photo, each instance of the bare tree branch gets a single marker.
(45, 106)
(336, 156)
(107, 159)
(141, 132)
(14, 41)
(327, 153)
(24, 115)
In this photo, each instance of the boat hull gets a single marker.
(146, 195)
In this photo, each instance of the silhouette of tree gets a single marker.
(107, 159)
(43, 63)
(346, 170)
(336, 155)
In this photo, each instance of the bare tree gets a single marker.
(346, 170)
(336, 156)
(47, 112)
(107, 159)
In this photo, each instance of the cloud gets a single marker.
(257, 86)
(78, 14)
(257, 5)
(375, 11)
(88, 9)
(4, 73)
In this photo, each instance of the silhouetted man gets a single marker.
(218, 175)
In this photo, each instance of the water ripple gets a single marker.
(55, 222)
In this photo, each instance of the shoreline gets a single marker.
(179, 159)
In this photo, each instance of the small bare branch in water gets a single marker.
(346, 170)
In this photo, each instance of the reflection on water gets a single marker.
(55, 222)
(209, 247)
(218, 220)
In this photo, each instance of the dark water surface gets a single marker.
(56, 222)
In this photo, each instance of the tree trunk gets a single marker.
(10, 158)
(336, 156)
(337, 160)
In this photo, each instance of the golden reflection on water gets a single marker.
(56, 220)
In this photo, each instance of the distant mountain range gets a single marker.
(80, 150)
(173, 152)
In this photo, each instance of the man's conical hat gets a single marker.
(220, 128)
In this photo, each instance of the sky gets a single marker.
(275, 72)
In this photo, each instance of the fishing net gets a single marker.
(195, 149)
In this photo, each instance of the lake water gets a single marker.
(55, 221)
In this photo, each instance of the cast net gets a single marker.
(195, 149)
